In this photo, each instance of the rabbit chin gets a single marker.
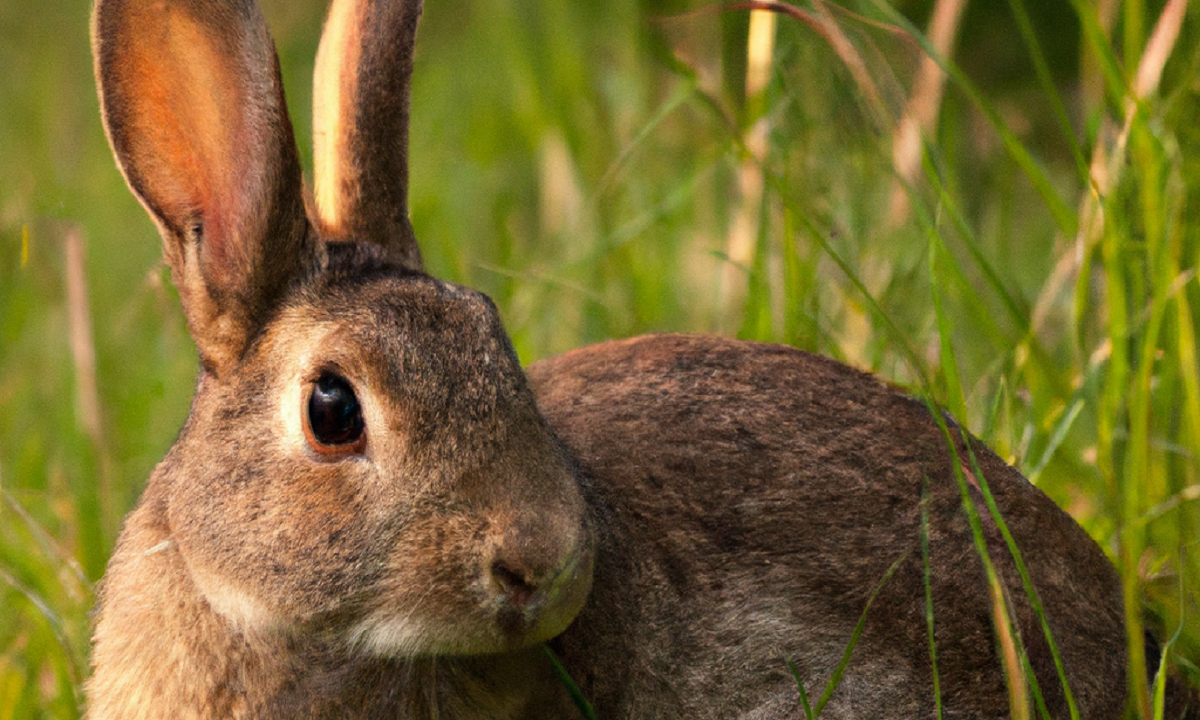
(389, 636)
(392, 633)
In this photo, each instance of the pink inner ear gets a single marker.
(188, 130)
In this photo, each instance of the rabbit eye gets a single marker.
(335, 422)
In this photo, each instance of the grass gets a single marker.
(600, 170)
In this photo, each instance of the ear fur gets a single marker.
(360, 123)
(193, 107)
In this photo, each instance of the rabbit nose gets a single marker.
(526, 561)
(516, 584)
(523, 573)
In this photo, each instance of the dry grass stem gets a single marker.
(743, 229)
(1105, 168)
(822, 22)
(83, 353)
(920, 113)
(1010, 654)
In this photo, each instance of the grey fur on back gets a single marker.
(752, 497)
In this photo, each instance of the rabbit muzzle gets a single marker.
(538, 578)
(480, 583)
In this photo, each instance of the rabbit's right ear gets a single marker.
(194, 109)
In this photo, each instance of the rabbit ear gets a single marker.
(360, 123)
(194, 109)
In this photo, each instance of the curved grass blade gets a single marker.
(808, 711)
(569, 683)
(840, 670)
(1064, 216)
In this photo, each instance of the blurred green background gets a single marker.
(603, 169)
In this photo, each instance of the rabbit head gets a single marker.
(363, 457)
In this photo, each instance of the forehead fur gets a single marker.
(436, 349)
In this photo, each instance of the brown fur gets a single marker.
(779, 487)
(682, 515)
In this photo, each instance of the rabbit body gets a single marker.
(372, 511)
(751, 498)
(748, 499)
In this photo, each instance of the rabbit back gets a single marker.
(752, 498)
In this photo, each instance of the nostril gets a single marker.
(516, 585)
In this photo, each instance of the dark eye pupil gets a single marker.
(333, 411)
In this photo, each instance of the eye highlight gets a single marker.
(333, 421)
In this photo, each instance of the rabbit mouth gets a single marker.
(513, 613)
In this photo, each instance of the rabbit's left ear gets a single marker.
(194, 109)
(360, 124)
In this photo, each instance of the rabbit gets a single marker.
(373, 511)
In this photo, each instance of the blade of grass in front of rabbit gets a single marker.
(569, 683)
(1160, 677)
(1012, 652)
(1014, 670)
(955, 392)
(927, 578)
(808, 711)
(836, 678)
(1027, 584)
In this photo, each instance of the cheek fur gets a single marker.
(433, 597)
(302, 547)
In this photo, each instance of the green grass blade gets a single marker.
(1026, 582)
(933, 662)
(956, 400)
(55, 623)
(568, 682)
(1063, 215)
(808, 711)
(1057, 436)
(840, 670)
(1049, 89)
(1110, 67)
